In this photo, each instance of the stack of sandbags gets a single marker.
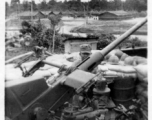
(118, 57)
(115, 57)
(139, 64)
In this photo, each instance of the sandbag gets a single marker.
(118, 53)
(140, 60)
(113, 59)
(129, 60)
(124, 55)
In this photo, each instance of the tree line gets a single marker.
(76, 5)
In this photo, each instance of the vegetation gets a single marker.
(105, 39)
(42, 36)
(72, 5)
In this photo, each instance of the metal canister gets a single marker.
(68, 114)
(123, 90)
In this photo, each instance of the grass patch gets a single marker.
(107, 27)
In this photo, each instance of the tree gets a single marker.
(34, 5)
(54, 22)
(52, 4)
(142, 5)
(103, 4)
(117, 4)
(95, 4)
(138, 5)
(26, 5)
(6, 8)
(43, 5)
(14, 2)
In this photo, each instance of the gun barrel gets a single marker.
(52, 64)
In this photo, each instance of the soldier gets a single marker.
(85, 52)
(80, 99)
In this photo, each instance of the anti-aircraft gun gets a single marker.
(32, 98)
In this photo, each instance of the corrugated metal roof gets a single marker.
(118, 13)
(81, 38)
(40, 14)
(108, 13)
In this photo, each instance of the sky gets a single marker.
(38, 1)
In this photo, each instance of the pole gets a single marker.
(19, 12)
(31, 11)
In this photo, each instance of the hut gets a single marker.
(51, 13)
(39, 15)
(27, 15)
(114, 15)
(60, 13)
(73, 44)
(108, 16)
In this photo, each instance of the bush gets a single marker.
(133, 42)
(106, 39)
(41, 36)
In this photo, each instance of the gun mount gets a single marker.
(25, 97)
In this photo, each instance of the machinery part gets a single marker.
(22, 61)
(40, 52)
(113, 74)
(82, 114)
(34, 68)
(101, 87)
(53, 64)
(101, 98)
(20, 97)
(110, 115)
(78, 80)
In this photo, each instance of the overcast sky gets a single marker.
(38, 1)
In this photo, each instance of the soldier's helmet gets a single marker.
(85, 48)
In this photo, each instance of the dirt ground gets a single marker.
(112, 26)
